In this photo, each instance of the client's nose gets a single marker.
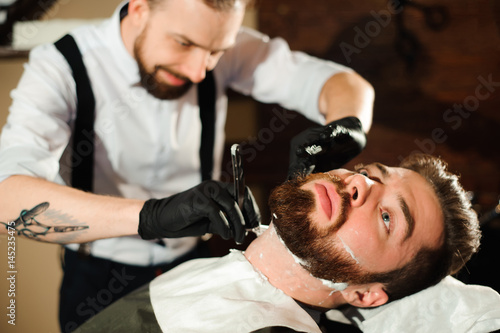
(359, 188)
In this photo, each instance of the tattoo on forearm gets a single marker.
(26, 224)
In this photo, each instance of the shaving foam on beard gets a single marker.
(338, 286)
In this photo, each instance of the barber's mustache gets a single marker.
(173, 73)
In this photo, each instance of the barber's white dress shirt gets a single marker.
(223, 295)
(145, 147)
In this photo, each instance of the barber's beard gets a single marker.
(319, 249)
(150, 81)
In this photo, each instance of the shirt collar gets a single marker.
(121, 56)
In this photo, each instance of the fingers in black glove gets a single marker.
(206, 208)
(327, 147)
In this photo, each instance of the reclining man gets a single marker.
(363, 238)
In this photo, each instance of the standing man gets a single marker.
(145, 66)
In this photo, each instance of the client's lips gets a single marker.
(326, 197)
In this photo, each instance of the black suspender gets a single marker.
(206, 101)
(83, 140)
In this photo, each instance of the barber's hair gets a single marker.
(220, 5)
(461, 233)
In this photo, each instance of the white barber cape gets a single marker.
(223, 295)
(448, 307)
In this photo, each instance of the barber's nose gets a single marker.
(196, 65)
(359, 188)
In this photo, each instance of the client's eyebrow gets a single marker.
(383, 169)
(410, 221)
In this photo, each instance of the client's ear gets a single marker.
(366, 295)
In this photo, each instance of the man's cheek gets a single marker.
(349, 246)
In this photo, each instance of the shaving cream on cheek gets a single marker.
(348, 249)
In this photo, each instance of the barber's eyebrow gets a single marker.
(410, 221)
(189, 41)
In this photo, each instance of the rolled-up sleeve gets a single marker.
(270, 72)
(37, 129)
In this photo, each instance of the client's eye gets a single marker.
(363, 172)
(386, 217)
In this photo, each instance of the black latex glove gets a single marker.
(325, 148)
(206, 208)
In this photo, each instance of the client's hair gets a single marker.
(461, 233)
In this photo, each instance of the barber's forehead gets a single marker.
(216, 4)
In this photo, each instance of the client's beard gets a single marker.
(319, 250)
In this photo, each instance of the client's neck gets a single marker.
(269, 255)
